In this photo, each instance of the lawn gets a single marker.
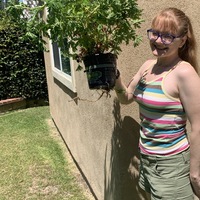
(34, 163)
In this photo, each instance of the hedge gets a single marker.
(22, 69)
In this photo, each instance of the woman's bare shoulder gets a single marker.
(185, 70)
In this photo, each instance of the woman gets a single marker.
(167, 90)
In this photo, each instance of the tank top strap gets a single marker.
(166, 73)
(143, 79)
(146, 70)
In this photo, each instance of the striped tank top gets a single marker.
(163, 119)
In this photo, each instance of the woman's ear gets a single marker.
(183, 40)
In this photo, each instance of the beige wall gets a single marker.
(102, 136)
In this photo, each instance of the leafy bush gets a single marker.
(89, 27)
(22, 71)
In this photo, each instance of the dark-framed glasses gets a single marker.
(165, 38)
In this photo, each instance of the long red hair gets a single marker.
(175, 21)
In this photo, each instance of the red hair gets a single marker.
(176, 22)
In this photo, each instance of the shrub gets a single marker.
(22, 71)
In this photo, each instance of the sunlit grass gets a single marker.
(32, 163)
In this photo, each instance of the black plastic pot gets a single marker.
(101, 70)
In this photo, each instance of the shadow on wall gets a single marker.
(66, 91)
(121, 176)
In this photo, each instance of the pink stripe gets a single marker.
(166, 121)
(172, 135)
(176, 151)
(156, 103)
(163, 136)
(159, 79)
(158, 121)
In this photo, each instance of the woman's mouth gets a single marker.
(160, 48)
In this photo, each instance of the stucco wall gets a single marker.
(103, 135)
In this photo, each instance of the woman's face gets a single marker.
(161, 48)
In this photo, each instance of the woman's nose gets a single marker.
(158, 40)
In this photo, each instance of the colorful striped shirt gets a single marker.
(163, 120)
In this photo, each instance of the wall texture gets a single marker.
(103, 135)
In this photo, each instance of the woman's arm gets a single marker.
(125, 93)
(189, 89)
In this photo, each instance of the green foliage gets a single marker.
(89, 26)
(22, 71)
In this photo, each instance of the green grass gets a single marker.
(33, 165)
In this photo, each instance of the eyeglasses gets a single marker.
(165, 38)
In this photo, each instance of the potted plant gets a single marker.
(94, 31)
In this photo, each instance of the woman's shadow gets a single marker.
(121, 174)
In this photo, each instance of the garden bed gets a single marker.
(12, 104)
(19, 103)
